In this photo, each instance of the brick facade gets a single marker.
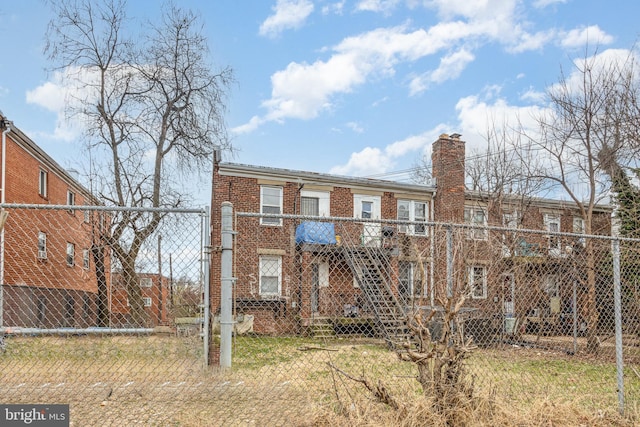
(45, 288)
(447, 201)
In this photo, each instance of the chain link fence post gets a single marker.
(617, 304)
(226, 280)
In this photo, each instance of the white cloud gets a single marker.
(288, 14)
(304, 90)
(335, 8)
(366, 162)
(373, 161)
(527, 42)
(534, 96)
(49, 95)
(356, 127)
(583, 36)
(544, 3)
(248, 127)
(380, 6)
(60, 92)
(450, 68)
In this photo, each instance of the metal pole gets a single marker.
(206, 333)
(226, 282)
(617, 307)
(449, 262)
(575, 316)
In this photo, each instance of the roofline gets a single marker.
(30, 146)
(536, 201)
(305, 177)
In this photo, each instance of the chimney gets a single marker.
(447, 160)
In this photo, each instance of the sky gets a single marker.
(357, 88)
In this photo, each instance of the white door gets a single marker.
(368, 208)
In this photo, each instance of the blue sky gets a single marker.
(348, 87)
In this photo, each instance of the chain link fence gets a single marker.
(106, 319)
(330, 314)
(324, 319)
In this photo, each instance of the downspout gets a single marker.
(3, 200)
(432, 251)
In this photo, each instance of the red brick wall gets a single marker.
(22, 265)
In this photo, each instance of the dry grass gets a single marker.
(287, 381)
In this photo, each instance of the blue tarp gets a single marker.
(321, 233)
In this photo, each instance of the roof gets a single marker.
(305, 177)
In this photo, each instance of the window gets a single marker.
(477, 217)
(270, 275)
(510, 219)
(415, 211)
(314, 203)
(146, 301)
(85, 259)
(309, 206)
(71, 251)
(42, 245)
(87, 216)
(42, 183)
(271, 203)
(411, 279)
(366, 208)
(579, 228)
(477, 281)
(552, 224)
(71, 199)
(146, 282)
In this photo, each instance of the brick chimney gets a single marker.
(447, 160)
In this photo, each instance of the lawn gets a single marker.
(161, 380)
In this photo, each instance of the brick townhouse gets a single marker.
(292, 271)
(48, 274)
(155, 291)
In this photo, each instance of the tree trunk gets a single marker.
(137, 314)
(102, 303)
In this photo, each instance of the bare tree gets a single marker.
(584, 131)
(152, 109)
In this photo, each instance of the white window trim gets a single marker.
(72, 254)
(270, 221)
(86, 259)
(43, 181)
(147, 301)
(555, 249)
(324, 200)
(471, 283)
(146, 282)
(579, 227)
(42, 237)
(279, 275)
(410, 228)
(71, 199)
(476, 233)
